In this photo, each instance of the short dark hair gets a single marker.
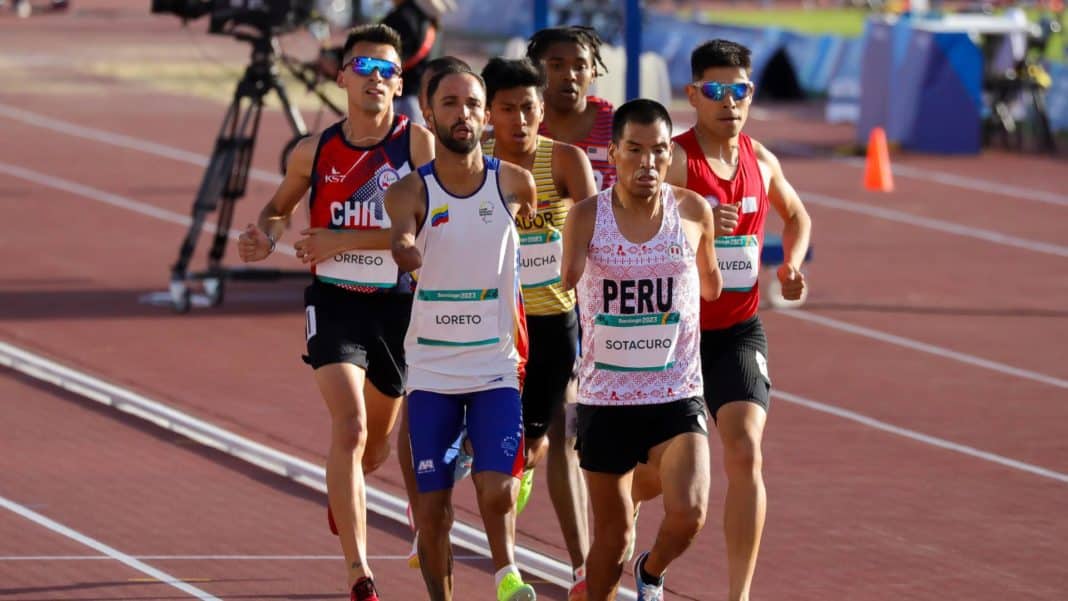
(641, 111)
(505, 74)
(435, 81)
(442, 63)
(375, 33)
(575, 34)
(719, 53)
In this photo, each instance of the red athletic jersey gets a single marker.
(596, 143)
(348, 192)
(739, 301)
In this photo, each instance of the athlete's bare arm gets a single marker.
(578, 231)
(572, 173)
(320, 243)
(676, 174)
(406, 209)
(422, 146)
(797, 226)
(700, 227)
(255, 243)
(518, 189)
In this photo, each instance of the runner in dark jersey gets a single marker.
(571, 58)
(741, 179)
(358, 305)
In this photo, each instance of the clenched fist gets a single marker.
(792, 280)
(318, 244)
(726, 217)
(253, 244)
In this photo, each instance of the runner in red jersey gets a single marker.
(571, 58)
(358, 304)
(741, 179)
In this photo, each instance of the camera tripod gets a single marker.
(227, 173)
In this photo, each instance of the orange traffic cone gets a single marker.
(877, 175)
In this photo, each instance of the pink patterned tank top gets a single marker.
(640, 311)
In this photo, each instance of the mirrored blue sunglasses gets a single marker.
(364, 65)
(716, 91)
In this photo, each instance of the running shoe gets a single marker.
(578, 591)
(413, 555)
(512, 588)
(526, 485)
(646, 592)
(364, 590)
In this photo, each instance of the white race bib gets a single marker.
(635, 342)
(457, 317)
(540, 254)
(373, 268)
(739, 262)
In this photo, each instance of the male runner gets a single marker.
(642, 256)
(562, 173)
(740, 178)
(358, 305)
(453, 222)
(404, 448)
(571, 57)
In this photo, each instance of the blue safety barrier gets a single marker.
(938, 95)
(772, 254)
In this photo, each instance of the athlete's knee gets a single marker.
(435, 519)
(349, 434)
(536, 448)
(497, 497)
(375, 456)
(688, 520)
(742, 455)
(612, 534)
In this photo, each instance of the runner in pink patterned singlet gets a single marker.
(641, 255)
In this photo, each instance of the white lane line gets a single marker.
(110, 552)
(97, 135)
(948, 227)
(939, 177)
(214, 557)
(122, 202)
(920, 437)
(301, 471)
(151, 211)
(924, 347)
(969, 183)
(122, 141)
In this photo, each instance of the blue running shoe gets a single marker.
(646, 592)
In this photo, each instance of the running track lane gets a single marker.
(158, 502)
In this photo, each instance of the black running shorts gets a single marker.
(734, 364)
(366, 330)
(550, 366)
(614, 439)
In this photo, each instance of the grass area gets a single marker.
(845, 22)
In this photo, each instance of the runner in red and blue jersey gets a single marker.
(571, 58)
(358, 305)
(741, 179)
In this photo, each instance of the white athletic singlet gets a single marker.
(640, 310)
(468, 331)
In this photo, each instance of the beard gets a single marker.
(458, 146)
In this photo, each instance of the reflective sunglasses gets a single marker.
(716, 91)
(365, 65)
